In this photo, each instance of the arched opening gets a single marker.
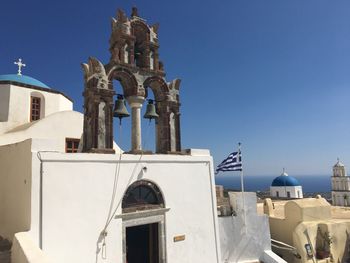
(124, 83)
(143, 227)
(142, 195)
(122, 129)
(149, 126)
(345, 200)
(141, 50)
(323, 242)
(158, 88)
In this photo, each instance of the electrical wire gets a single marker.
(130, 179)
(114, 191)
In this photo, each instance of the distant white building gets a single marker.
(340, 185)
(285, 186)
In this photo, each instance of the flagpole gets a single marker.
(242, 189)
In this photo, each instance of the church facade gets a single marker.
(340, 185)
(100, 204)
(70, 194)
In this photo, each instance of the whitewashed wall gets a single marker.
(4, 102)
(341, 183)
(341, 198)
(18, 103)
(59, 126)
(77, 191)
(282, 190)
(15, 188)
(245, 237)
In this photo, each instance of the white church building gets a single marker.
(69, 194)
(285, 186)
(28, 107)
(340, 185)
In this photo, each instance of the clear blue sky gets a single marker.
(271, 74)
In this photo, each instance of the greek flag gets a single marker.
(232, 163)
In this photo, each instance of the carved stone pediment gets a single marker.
(95, 70)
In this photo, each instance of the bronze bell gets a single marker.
(120, 110)
(151, 111)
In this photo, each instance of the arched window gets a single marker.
(142, 195)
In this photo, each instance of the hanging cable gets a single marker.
(111, 214)
(129, 181)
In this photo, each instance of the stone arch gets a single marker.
(141, 32)
(158, 86)
(139, 28)
(127, 81)
(142, 195)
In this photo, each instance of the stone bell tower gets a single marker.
(98, 109)
(135, 63)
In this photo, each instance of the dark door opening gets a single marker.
(142, 244)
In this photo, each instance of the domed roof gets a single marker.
(23, 79)
(339, 164)
(285, 180)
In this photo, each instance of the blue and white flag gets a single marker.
(232, 163)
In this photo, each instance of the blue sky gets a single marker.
(271, 74)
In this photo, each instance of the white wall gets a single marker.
(341, 183)
(338, 198)
(77, 189)
(245, 242)
(19, 105)
(4, 102)
(24, 250)
(58, 126)
(282, 191)
(15, 188)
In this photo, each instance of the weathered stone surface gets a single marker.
(98, 109)
(135, 63)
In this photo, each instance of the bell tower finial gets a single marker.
(134, 11)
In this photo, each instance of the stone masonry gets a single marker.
(135, 63)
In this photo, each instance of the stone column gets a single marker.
(156, 60)
(135, 103)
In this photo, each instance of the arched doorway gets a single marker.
(143, 216)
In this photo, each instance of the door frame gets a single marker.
(145, 218)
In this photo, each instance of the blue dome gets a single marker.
(284, 180)
(23, 79)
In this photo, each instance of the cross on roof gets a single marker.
(20, 65)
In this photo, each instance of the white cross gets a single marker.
(20, 65)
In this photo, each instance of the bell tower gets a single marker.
(134, 62)
(98, 109)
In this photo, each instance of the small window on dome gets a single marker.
(35, 108)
